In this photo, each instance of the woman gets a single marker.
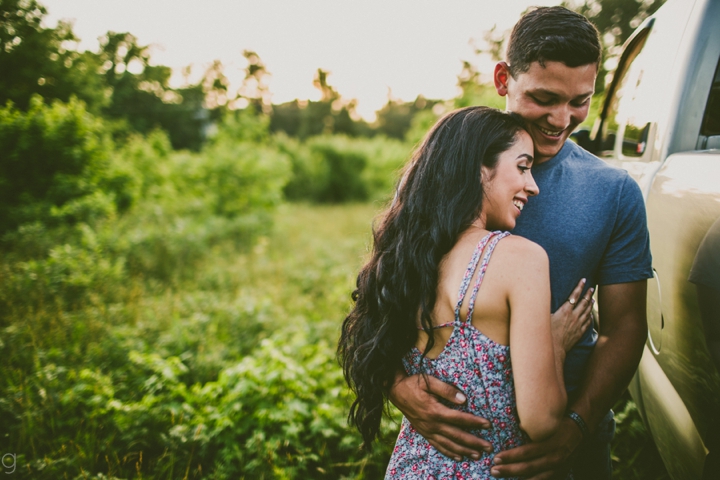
(468, 180)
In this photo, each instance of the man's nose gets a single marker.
(560, 117)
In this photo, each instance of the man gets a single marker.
(590, 218)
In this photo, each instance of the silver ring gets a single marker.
(572, 301)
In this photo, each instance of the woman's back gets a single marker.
(474, 363)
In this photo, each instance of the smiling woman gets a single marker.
(468, 179)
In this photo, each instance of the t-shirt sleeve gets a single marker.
(627, 257)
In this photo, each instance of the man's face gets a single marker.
(553, 100)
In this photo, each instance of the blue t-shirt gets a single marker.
(590, 219)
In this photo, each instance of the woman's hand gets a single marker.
(571, 320)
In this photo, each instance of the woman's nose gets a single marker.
(531, 187)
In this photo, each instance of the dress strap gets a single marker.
(481, 274)
(470, 271)
(472, 266)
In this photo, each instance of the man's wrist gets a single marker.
(579, 422)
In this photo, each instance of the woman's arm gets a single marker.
(537, 364)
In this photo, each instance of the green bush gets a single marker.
(280, 413)
(336, 169)
(55, 166)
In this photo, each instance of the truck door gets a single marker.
(660, 123)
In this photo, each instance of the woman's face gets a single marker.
(509, 185)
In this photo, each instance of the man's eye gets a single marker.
(581, 104)
(541, 102)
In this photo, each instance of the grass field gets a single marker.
(226, 372)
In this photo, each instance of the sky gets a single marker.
(373, 49)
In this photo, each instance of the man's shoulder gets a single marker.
(585, 163)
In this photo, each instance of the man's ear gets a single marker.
(500, 77)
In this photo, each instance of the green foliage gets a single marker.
(190, 202)
(137, 379)
(474, 92)
(395, 118)
(330, 115)
(142, 96)
(633, 452)
(35, 61)
(55, 166)
(334, 169)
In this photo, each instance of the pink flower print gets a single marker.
(491, 365)
(508, 410)
(503, 424)
(414, 468)
(501, 358)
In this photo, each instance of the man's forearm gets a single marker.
(623, 331)
(611, 367)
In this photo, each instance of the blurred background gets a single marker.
(186, 195)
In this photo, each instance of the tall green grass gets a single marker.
(225, 373)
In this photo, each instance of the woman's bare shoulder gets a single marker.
(521, 248)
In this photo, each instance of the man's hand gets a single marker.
(570, 321)
(540, 460)
(417, 397)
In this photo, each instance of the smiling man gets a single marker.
(590, 218)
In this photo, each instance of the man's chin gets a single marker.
(547, 152)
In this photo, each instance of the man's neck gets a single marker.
(540, 160)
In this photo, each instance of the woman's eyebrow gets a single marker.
(525, 155)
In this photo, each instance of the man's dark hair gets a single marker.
(553, 34)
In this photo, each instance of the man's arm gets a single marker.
(418, 399)
(623, 330)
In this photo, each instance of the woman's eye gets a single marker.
(523, 169)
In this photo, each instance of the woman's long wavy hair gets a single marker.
(438, 198)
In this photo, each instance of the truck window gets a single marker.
(711, 119)
(623, 85)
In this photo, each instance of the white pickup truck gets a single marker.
(661, 122)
